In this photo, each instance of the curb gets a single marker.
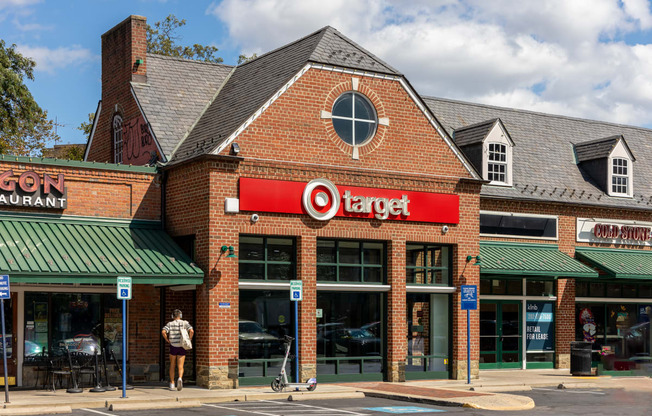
(499, 389)
(35, 410)
(324, 396)
(459, 402)
(116, 407)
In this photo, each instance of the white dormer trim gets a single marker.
(498, 135)
(620, 151)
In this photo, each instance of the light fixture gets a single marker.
(235, 149)
(477, 260)
(231, 251)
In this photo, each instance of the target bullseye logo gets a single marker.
(319, 194)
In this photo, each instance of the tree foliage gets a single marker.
(244, 58)
(162, 39)
(87, 126)
(24, 126)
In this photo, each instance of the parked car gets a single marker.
(256, 342)
(351, 342)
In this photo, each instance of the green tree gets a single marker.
(244, 58)
(24, 126)
(162, 40)
(87, 126)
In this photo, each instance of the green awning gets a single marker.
(619, 264)
(530, 260)
(39, 249)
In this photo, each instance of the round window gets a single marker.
(354, 118)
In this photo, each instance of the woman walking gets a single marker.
(172, 334)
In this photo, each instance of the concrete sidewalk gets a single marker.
(487, 392)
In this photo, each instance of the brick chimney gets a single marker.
(124, 52)
(124, 60)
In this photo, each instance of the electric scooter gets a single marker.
(281, 382)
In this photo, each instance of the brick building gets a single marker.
(319, 162)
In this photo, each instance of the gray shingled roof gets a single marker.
(176, 93)
(475, 133)
(543, 156)
(597, 149)
(254, 82)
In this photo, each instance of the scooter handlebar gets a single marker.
(288, 338)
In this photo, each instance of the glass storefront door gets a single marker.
(427, 336)
(500, 334)
(9, 343)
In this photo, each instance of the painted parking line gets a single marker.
(403, 409)
(598, 393)
(97, 412)
(274, 408)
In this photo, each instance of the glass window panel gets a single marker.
(363, 131)
(373, 253)
(438, 277)
(372, 366)
(514, 287)
(581, 289)
(416, 276)
(540, 287)
(251, 248)
(350, 274)
(326, 251)
(487, 358)
(280, 249)
(373, 274)
(280, 271)
(540, 357)
(488, 343)
(344, 129)
(511, 343)
(500, 224)
(344, 106)
(265, 318)
(485, 287)
(488, 314)
(252, 271)
(645, 291)
(36, 323)
(596, 289)
(78, 323)
(363, 109)
(350, 252)
(415, 255)
(629, 291)
(510, 357)
(327, 273)
(498, 287)
(614, 290)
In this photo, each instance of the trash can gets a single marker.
(580, 362)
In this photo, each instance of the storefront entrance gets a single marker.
(9, 343)
(500, 334)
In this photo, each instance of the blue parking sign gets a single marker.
(5, 292)
(469, 299)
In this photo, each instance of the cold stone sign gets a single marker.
(30, 190)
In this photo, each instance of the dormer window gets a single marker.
(497, 163)
(488, 147)
(620, 177)
(609, 162)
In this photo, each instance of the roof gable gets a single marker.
(479, 132)
(598, 149)
(175, 95)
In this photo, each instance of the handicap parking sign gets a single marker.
(124, 288)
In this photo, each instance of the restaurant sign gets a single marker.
(591, 230)
(30, 189)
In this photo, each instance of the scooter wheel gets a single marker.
(312, 387)
(276, 385)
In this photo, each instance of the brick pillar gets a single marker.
(564, 322)
(217, 328)
(465, 274)
(396, 309)
(307, 272)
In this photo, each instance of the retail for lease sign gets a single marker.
(593, 230)
(539, 329)
(322, 200)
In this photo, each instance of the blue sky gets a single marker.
(583, 58)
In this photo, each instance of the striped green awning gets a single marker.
(38, 249)
(530, 260)
(619, 264)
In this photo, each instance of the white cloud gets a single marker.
(51, 60)
(17, 3)
(31, 27)
(554, 56)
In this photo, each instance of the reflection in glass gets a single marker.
(265, 318)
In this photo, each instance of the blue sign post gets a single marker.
(469, 302)
(296, 295)
(124, 293)
(5, 293)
